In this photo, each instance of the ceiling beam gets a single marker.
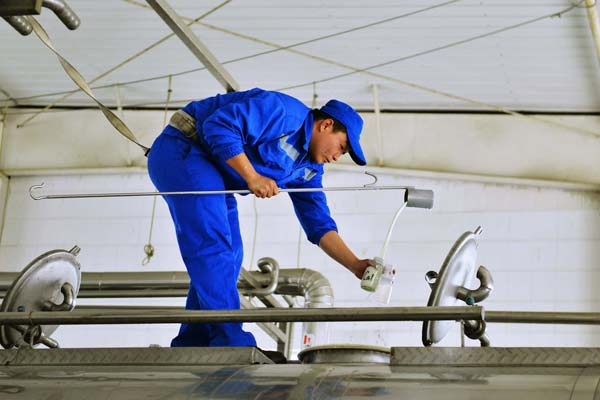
(174, 21)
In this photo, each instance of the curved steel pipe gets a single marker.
(310, 284)
(68, 300)
(20, 24)
(482, 292)
(63, 12)
(152, 316)
(39, 338)
(267, 265)
(476, 330)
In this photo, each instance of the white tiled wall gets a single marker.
(541, 245)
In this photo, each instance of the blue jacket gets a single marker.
(274, 130)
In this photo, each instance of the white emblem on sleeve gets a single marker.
(288, 148)
(308, 174)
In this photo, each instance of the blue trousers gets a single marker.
(208, 234)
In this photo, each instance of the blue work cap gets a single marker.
(353, 123)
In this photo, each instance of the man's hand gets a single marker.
(359, 267)
(262, 186)
(336, 248)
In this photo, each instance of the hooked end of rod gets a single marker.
(34, 188)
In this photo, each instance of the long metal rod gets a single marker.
(516, 317)
(100, 314)
(187, 36)
(538, 317)
(157, 316)
(201, 192)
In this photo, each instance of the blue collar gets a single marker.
(308, 128)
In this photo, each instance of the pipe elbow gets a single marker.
(318, 290)
(20, 24)
(482, 292)
(63, 12)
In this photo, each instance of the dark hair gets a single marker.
(320, 115)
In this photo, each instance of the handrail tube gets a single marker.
(541, 317)
(257, 315)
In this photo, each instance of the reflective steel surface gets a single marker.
(40, 283)
(172, 374)
(345, 354)
(457, 271)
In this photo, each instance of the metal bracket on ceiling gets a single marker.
(13, 10)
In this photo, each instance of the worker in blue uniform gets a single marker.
(257, 140)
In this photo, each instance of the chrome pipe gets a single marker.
(539, 317)
(63, 12)
(310, 284)
(157, 316)
(291, 282)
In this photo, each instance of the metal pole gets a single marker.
(187, 36)
(537, 317)
(419, 198)
(157, 316)
(202, 192)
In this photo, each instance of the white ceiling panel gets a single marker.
(547, 65)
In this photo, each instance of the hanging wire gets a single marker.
(121, 113)
(121, 64)
(8, 97)
(149, 248)
(255, 233)
(388, 237)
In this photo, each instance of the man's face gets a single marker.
(327, 145)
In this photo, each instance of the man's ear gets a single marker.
(327, 123)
